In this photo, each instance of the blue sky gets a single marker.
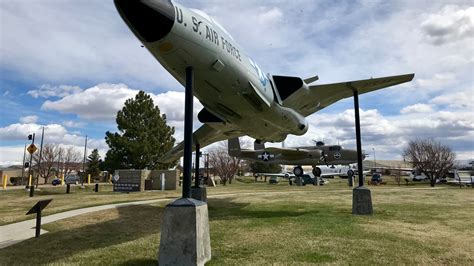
(70, 65)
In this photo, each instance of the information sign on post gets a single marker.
(39, 206)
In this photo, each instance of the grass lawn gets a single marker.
(14, 203)
(257, 223)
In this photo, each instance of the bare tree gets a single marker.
(430, 157)
(72, 160)
(223, 165)
(49, 156)
(397, 175)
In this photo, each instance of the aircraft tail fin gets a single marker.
(234, 147)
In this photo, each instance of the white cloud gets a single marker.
(103, 101)
(73, 124)
(100, 102)
(438, 80)
(417, 108)
(91, 43)
(11, 155)
(271, 16)
(457, 100)
(53, 133)
(21, 131)
(451, 24)
(343, 41)
(29, 119)
(390, 134)
(46, 91)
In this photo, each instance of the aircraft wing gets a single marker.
(205, 135)
(284, 175)
(318, 97)
(333, 174)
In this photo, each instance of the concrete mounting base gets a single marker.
(361, 201)
(199, 193)
(185, 238)
(299, 181)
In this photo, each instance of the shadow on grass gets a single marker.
(134, 222)
(228, 209)
(75, 189)
(138, 262)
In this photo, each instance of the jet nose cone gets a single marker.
(150, 20)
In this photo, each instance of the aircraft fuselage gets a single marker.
(229, 84)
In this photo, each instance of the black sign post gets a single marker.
(39, 206)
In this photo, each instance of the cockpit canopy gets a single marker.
(319, 143)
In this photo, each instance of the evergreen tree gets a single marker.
(143, 136)
(93, 164)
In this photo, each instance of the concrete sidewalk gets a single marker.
(17, 232)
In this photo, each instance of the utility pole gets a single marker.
(39, 162)
(23, 166)
(84, 163)
(59, 161)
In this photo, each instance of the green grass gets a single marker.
(257, 223)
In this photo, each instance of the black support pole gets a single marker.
(359, 144)
(38, 222)
(188, 133)
(196, 173)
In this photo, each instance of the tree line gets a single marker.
(57, 160)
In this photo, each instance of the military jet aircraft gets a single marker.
(238, 97)
(320, 154)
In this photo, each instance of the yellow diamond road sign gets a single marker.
(31, 149)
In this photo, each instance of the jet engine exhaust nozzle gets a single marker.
(150, 20)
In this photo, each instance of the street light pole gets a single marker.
(375, 160)
(84, 163)
(39, 161)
